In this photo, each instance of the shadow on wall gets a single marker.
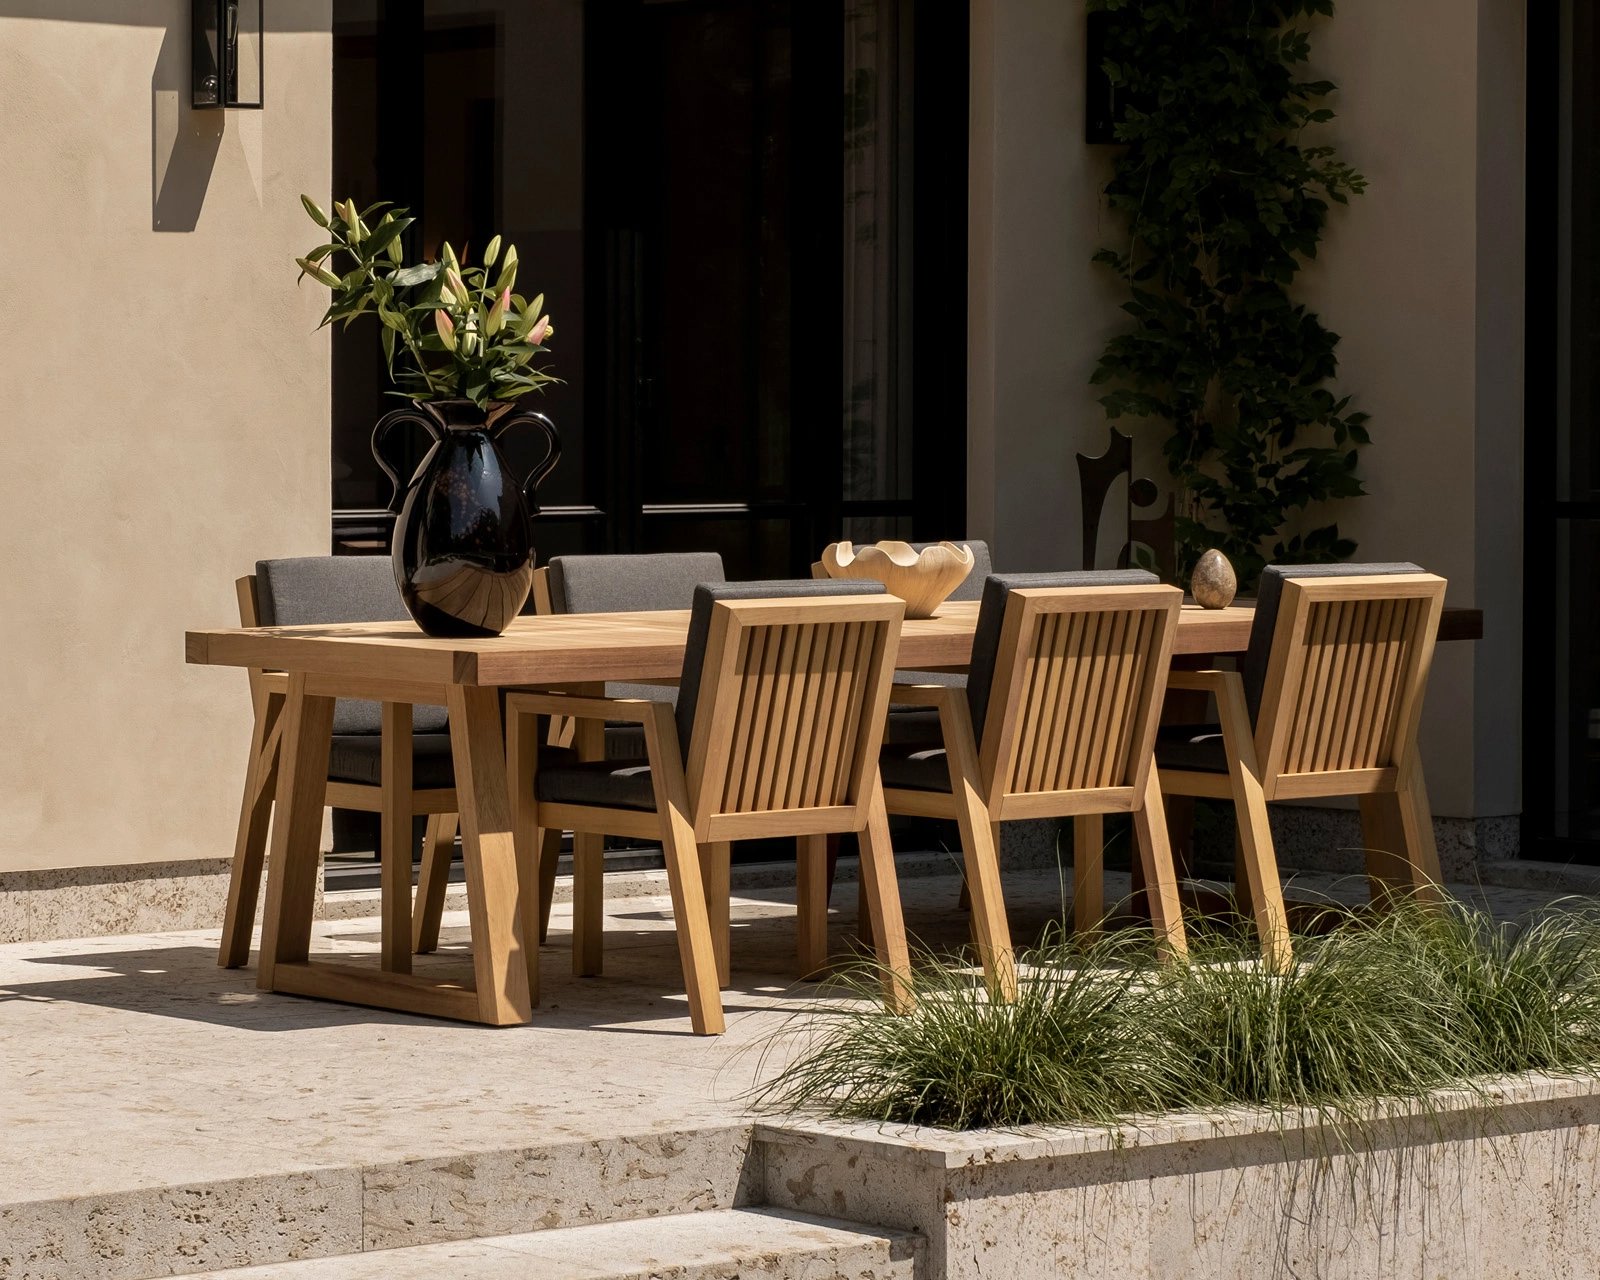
(183, 142)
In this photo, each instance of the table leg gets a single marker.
(489, 854)
(296, 830)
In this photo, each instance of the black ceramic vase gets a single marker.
(463, 540)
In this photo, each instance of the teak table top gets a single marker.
(586, 648)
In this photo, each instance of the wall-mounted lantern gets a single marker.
(228, 53)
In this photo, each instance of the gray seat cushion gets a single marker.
(626, 584)
(613, 784)
(623, 584)
(309, 589)
(912, 725)
(358, 757)
(1191, 748)
(914, 768)
(1253, 666)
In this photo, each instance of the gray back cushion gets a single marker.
(1253, 666)
(971, 587)
(623, 584)
(708, 594)
(997, 589)
(311, 589)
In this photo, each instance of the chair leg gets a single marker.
(549, 858)
(1243, 895)
(696, 950)
(433, 881)
(863, 914)
(588, 904)
(1263, 892)
(715, 874)
(1388, 869)
(1088, 873)
(834, 841)
(1258, 887)
(395, 837)
(811, 904)
(882, 893)
(1160, 877)
(1416, 825)
(1180, 831)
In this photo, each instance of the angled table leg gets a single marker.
(490, 857)
(250, 845)
(297, 830)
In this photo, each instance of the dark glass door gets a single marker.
(702, 171)
(729, 205)
(1562, 606)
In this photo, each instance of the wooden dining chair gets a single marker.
(776, 733)
(1058, 719)
(585, 584)
(1327, 702)
(388, 759)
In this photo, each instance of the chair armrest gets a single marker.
(1202, 681)
(922, 695)
(580, 707)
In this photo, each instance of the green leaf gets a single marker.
(410, 277)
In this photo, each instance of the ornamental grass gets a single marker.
(1393, 1008)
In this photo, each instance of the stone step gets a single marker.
(715, 1245)
(292, 1211)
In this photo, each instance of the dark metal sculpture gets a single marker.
(1156, 534)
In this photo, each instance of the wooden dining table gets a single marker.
(396, 663)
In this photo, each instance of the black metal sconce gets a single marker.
(229, 53)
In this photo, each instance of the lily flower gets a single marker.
(446, 327)
(497, 313)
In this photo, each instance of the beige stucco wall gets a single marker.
(166, 406)
(1422, 276)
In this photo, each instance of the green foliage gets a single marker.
(1396, 1009)
(1224, 203)
(449, 330)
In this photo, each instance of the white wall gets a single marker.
(166, 407)
(1421, 276)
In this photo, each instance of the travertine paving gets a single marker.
(156, 1107)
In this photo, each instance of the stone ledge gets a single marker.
(1491, 1184)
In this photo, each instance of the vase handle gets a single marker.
(514, 417)
(415, 414)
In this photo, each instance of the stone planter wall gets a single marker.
(1496, 1187)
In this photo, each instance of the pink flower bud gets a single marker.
(446, 327)
(497, 313)
(540, 331)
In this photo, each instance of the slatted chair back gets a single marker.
(785, 690)
(1066, 722)
(1344, 683)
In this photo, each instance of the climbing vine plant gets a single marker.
(1225, 199)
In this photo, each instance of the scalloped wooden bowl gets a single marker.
(923, 580)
